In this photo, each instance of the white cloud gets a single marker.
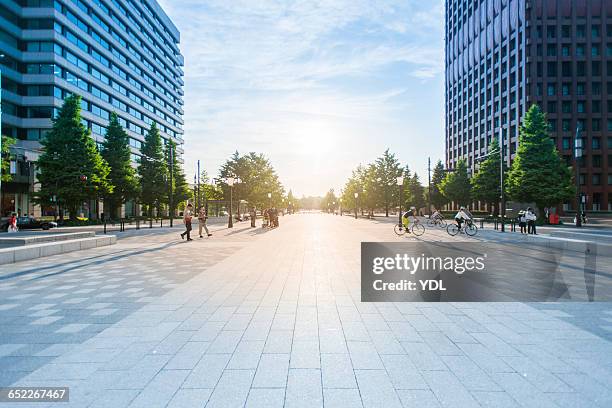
(272, 76)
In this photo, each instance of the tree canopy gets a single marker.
(456, 185)
(538, 174)
(70, 167)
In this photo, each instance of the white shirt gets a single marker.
(462, 215)
(530, 216)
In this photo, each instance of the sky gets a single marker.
(318, 86)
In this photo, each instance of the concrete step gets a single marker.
(33, 251)
(8, 240)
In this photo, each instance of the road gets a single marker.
(268, 318)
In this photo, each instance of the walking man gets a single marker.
(252, 216)
(187, 221)
(202, 218)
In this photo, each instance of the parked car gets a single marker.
(28, 223)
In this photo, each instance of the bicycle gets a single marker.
(415, 228)
(436, 222)
(468, 227)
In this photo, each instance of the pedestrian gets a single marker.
(252, 216)
(274, 217)
(13, 223)
(202, 218)
(187, 215)
(531, 221)
(523, 222)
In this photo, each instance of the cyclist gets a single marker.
(436, 215)
(406, 218)
(461, 216)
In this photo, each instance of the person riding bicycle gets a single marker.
(461, 216)
(436, 215)
(406, 217)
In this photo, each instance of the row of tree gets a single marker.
(73, 171)
(537, 174)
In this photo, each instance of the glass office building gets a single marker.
(504, 55)
(119, 55)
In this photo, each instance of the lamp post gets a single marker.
(502, 199)
(400, 183)
(577, 156)
(171, 198)
(230, 181)
(341, 207)
(356, 195)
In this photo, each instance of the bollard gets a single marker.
(105, 226)
(161, 222)
(482, 223)
(137, 223)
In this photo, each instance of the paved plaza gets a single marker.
(273, 318)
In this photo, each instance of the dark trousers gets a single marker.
(531, 227)
(252, 221)
(523, 227)
(187, 231)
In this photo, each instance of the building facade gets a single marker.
(119, 55)
(502, 56)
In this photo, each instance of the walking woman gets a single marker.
(523, 222)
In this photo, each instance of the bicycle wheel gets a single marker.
(431, 222)
(442, 223)
(399, 230)
(471, 229)
(418, 229)
(452, 229)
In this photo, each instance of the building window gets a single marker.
(566, 125)
(566, 143)
(580, 88)
(580, 31)
(596, 143)
(595, 50)
(566, 31)
(595, 125)
(580, 50)
(596, 88)
(551, 90)
(595, 107)
(551, 50)
(580, 106)
(596, 160)
(595, 31)
(566, 107)
(566, 89)
(565, 50)
(596, 179)
(595, 68)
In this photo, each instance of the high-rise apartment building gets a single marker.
(502, 56)
(119, 55)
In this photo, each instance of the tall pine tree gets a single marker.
(437, 198)
(538, 174)
(456, 185)
(152, 171)
(485, 183)
(180, 188)
(70, 167)
(122, 176)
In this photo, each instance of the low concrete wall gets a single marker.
(28, 252)
(15, 240)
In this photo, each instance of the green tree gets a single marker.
(70, 167)
(122, 176)
(7, 142)
(485, 183)
(538, 174)
(437, 198)
(456, 185)
(152, 171)
(387, 170)
(180, 188)
(329, 201)
(416, 191)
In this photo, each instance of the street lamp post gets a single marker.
(400, 183)
(502, 200)
(230, 181)
(356, 195)
(577, 156)
(171, 198)
(341, 207)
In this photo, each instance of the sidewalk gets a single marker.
(279, 323)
